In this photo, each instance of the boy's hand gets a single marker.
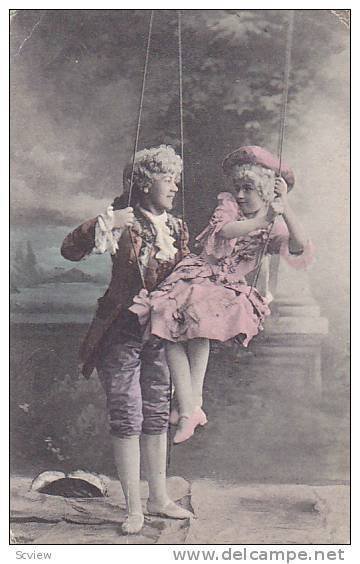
(123, 218)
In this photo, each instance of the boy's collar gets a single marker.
(152, 214)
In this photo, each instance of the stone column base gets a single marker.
(292, 362)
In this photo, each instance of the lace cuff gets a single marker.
(299, 261)
(106, 237)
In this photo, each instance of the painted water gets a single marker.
(56, 303)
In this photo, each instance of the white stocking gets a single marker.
(127, 460)
(198, 353)
(154, 452)
(180, 372)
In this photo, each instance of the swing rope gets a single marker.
(169, 445)
(137, 142)
(285, 94)
(282, 126)
(141, 102)
(181, 117)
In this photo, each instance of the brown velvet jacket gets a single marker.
(125, 279)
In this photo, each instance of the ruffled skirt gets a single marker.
(197, 301)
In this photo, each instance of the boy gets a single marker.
(145, 242)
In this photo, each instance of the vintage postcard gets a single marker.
(179, 294)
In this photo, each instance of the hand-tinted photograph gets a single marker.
(179, 297)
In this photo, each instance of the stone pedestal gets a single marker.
(289, 348)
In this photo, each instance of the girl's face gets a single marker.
(162, 193)
(246, 195)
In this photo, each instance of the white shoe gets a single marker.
(170, 509)
(133, 524)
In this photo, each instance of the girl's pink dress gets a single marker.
(207, 295)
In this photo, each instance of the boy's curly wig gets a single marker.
(149, 163)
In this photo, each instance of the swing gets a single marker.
(279, 152)
(282, 125)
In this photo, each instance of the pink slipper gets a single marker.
(202, 416)
(175, 416)
(185, 429)
(187, 425)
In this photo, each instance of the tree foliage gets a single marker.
(81, 64)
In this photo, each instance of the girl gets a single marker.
(207, 296)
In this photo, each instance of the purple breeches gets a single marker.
(136, 380)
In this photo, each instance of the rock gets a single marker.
(78, 484)
(27, 505)
(269, 514)
(226, 514)
(90, 477)
(38, 518)
(67, 533)
(27, 533)
(45, 478)
(177, 488)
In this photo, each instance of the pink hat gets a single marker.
(255, 155)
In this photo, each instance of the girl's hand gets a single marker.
(123, 218)
(276, 207)
(280, 189)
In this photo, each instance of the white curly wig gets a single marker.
(149, 163)
(263, 178)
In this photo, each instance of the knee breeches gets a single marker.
(136, 380)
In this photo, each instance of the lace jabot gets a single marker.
(164, 241)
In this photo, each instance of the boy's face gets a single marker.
(162, 192)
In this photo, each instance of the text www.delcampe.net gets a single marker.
(246, 554)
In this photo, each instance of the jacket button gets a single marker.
(130, 261)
